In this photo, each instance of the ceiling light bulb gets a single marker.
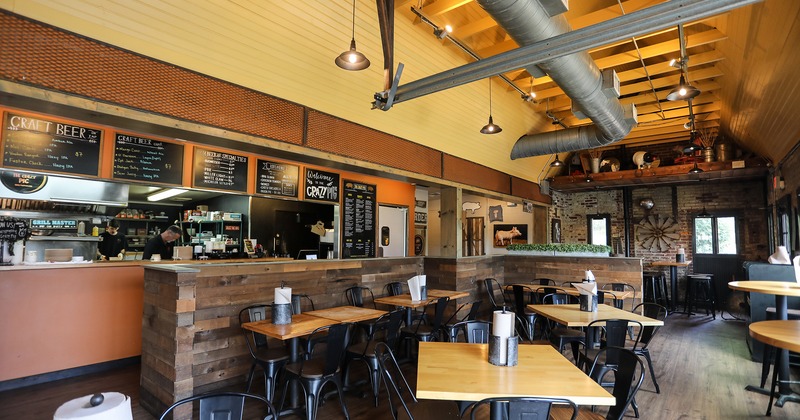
(448, 28)
(672, 62)
(682, 91)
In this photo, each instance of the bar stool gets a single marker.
(700, 291)
(654, 285)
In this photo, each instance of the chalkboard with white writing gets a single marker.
(322, 186)
(45, 145)
(275, 178)
(358, 220)
(220, 170)
(144, 159)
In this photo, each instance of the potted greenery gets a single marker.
(572, 250)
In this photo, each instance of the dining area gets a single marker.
(682, 352)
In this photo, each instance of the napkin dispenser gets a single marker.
(587, 297)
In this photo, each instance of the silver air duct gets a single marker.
(527, 22)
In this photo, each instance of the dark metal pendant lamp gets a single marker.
(351, 59)
(490, 128)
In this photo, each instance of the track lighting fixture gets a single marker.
(351, 59)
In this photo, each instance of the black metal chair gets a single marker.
(361, 296)
(628, 378)
(270, 359)
(421, 331)
(527, 316)
(621, 287)
(613, 333)
(520, 408)
(475, 331)
(387, 331)
(474, 307)
(315, 372)
(498, 301)
(297, 303)
(396, 383)
(229, 405)
(559, 334)
(655, 311)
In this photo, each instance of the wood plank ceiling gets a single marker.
(743, 62)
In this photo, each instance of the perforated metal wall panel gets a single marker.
(529, 190)
(466, 172)
(39, 55)
(344, 138)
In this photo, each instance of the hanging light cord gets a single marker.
(353, 32)
(644, 67)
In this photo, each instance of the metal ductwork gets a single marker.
(527, 22)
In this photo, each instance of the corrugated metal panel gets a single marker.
(344, 138)
(52, 59)
(470, 173)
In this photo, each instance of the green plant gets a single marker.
(560, 247)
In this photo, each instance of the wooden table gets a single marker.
(405, 301)
(782, 334)
(347, 313)
(462, 372)
(572, 291)
(673, 279)
(781, 290)
(572, 316)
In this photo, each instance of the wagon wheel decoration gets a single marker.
(657, 233)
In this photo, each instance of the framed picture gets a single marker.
(555, 230)
(505, 235)
(495, 213)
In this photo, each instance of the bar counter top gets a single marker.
(134, 263)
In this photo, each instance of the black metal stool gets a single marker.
(654, 286)
(700, 291)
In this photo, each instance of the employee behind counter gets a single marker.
(112, 242)
(162, 245)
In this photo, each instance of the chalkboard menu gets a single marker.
(273, 178)
(323, 186)
(215, 169)
(143, 159)
(358, 230)
(37, 143)
(12, 229)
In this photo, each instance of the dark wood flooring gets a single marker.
(702, 367)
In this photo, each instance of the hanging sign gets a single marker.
(322, 186)
(143, 159)
(45, 145)
(220, 170)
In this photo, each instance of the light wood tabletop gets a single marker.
(782, 288)
(302, 324)
(609, 294)
(777, 333)
(572, 316)
(347, 313)
(462, 372)
(405, 301)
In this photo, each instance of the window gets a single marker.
(715, 235)
(599, 228)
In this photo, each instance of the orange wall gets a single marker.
(54, 319)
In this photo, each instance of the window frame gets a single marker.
(598, 216)
(715, 233)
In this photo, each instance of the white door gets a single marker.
(393, 231)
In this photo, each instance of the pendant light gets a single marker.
(351, 59)
(557, 163)
(490, 128)
(704, 213)
(683, 92)
(695, 169)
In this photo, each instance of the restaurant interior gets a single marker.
(378, 172)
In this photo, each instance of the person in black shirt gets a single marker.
(112, 242)
(162, 244)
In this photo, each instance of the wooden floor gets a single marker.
(702, 366)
